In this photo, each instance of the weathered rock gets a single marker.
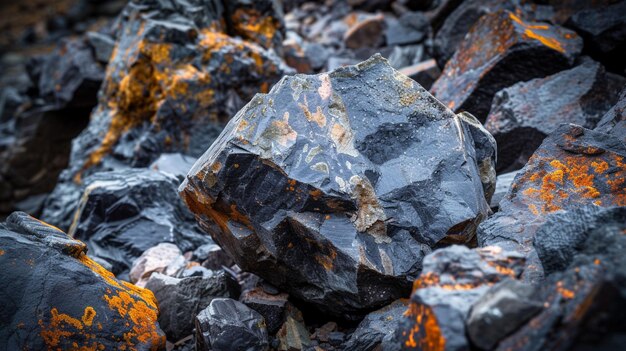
(180, 300)
(524, 114)
(409, 28)
(55, 297)
(229, 325)
(366, 31)
(154, 260)
(123, 213)
(174, 78)
(327, 162)
(212, 256)
(102, 45)
(322, 333)
(573, 167)
(504, 308)
(402, 56)
(271, 307)
(425, 73)
(293, 334)
(503, 184)
(614, 121)
(376, 326)
(452, 280)
(175, 164)
(499, 51)
(259, 21)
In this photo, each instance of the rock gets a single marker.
(258, 21)
(503, 184)
(123, 213)
(295, 56)
(55, 297)
(376, 326)
(229, 325)
(402, 56)
(504, 308)
(181, 300)
(499, 51)
(409, 28)
(336, 338)
(271, 307)
(604, 30)
(175, 164)
(452, 280)
(293, 335)
(102, 45)
(322, 333)
(524, 114)
(212, 256)
(174, 79)
(614, 121)
(459, 23)
(365, 32)
(321, 158)
(425, 73)
(153, 260)
(573, 167)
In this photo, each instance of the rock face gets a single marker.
(498, 51)
(55, 297)
(334, 186)
(573, 167)
(123, 213)
(614, 121)
(174, 78)
(377, 326)
(524, 114)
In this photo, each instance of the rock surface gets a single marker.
(55, 297)
(614, 121)
(303, 189)
(377, 326)
(271, 307)
(154, 260)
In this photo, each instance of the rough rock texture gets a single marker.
(501, 50)
(524, 114)
(452, 280)
(174, 78)
(154, 260)
(573, 167)
(180, 300)
(271, 307)
(229, 325)
(123, 213)
(614, 121)
(293, 335)
(377, 326)
(333, 187)
(55, 297)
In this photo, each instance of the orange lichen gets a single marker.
(326, 260)
(63, 328)
(566, 293)
(2, 252)
(530, 32)
(425, 334)
(88, 316)
(252, 25)
(142, 316)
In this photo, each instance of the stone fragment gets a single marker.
(366, 31)
(55, 297)
(102, 45)
(504, 308)
(271, 307)
(153, 260)
(503, 184)
(259, 21)
(123, 213)
(425, 73)
(212, 256)
(229, 325)
(293, 335)
(500, 50)
(614, 121)
(324, 214)
(175, 164)
(573, 167)
(402, 56)
(321, 334)
(377, 326)
(181, 300)
(524, 114)
(409, 28)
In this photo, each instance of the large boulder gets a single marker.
(500, 50)
(55, 297)
(334, 186)
(522, 115)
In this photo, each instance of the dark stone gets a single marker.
(123, 213)
(409, 28)
(195, 271)
(503, 184)
(402, 56)
(573, 167)
(212, 256)
(180, 300)
(293, 335)
(524, 114)
(614, 121)
(504, 308)
(366, 31)
(55, 297)
(499, 51)
(320, 157)
(336, 338)
(376, 326)
(229, 325)
(271, 307)
(259, 21)
(425, 73)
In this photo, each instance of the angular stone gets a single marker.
(259, 21)
(293, 335)
(175, 164)
(524, 114)
(376, 326)
(212, 256)
(327, 161)
(573, 167)
(55, 297)
(614, 121)
(503, 184)
(409, 28)
(154, 260)
(499, 51)
(181, 300)
(271, 307)
(229, 325)
(366, 31)
(425, 73)
(123, 213)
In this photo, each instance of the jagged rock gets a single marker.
(425, 73)
(614, 121)
(452, 280)
(180, 300)
(524, 114)
(573, 167)
(174, 78)
(55, 297)
(271, 307)
(327, 162)
(376, 326)
(154, 260)
(229, 325)
(365, 31)
(102, 45)
(212, 256)
(123, 213)
(175, 164)
(293, 335)
(459, 23)
(503, 184)
(504, 308)
(499, 51)
(409, 28)
(259, 21)
(402, 56)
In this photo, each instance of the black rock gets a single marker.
(229, 325)
(410, 28)
(376, 326)
(500, 50)
(270, 306)
(524, 114)
(333, 189)
(55, 297)
(614, 121)
(180, 300)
